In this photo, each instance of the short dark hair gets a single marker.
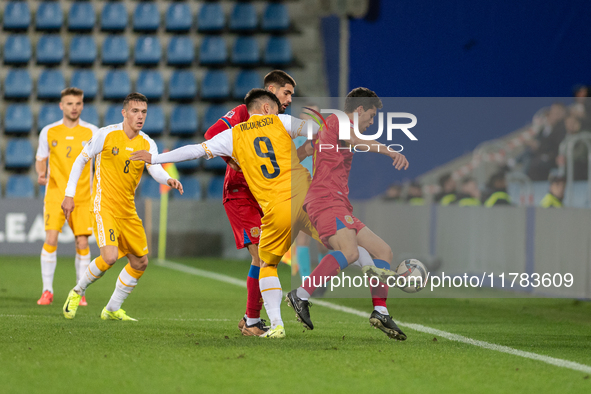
(134, 97)
(278, 78)
(443, 179)
(257, 96)
(364, 97)
(72, 92)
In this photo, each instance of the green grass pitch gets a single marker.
(186, 341)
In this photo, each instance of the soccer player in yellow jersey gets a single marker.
(263, 148)
(59, 145)
(117, 227)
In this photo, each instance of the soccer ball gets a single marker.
(412, 276)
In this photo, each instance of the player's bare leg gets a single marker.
(303, 254)
(82, 260)
(251, 324)
(48, 264)
(126, 282)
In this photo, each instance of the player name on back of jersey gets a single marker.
(249, 125)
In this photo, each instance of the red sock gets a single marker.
(379, 294)
(328, 266)
(254, 300)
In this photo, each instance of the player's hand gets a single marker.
(142, 155)
(233, 165)
(399, 161)
(42, 180)
(68, 206)
(175, 184)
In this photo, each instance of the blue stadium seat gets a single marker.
(245, 81)
(114, 16)
(146, 17)
(17, 15)
(150, 84)
(85, 80)
(178, 18)
(18, 84)
(182, 85)
(159, 144)
(211, 18)
(191, 189)
(183, 121)
(49, 16)
(147, 51)
(215, 86)
(180, 51)
(19, 186)
(17, 49)
(213, 51)
(212, 114)
(90, 115)
(50, 49)
(154, 121)
(244, 18)
(215, 164)
(215, 189)
(246, 51)
(48, 114)
(50, 84)
(19, 154)
(149, 188)
(41, 191)
(115, 50)
(18, 119)
(186, 166)
(275, 18)
(81, 16)
(116, 85)
(278, 51)
(113, 115)
(82, 50)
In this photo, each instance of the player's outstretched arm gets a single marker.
(399, 161)
(162, 177)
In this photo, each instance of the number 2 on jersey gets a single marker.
(270, 154)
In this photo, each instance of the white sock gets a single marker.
(82, 262)
(382, 309)
(364, 258)
(77, 266)
(303, 294)
(125, 284)
(271, 292)
(251, 321)
(48, 264)
(91, 275)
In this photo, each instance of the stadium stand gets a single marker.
(147, 51)
(17, 49)
(215, 85)
(19, 154)
(215, 188)
(213, 51)
(246, 51)
(146, 17)
(113, 115)
(114, 17)
(215, 164)
(178, 18)
(18, 119)
(48, 113)
(18, 84)
(115, 50)
(19, 186)
(245, 81)
(50, 84)
(182, 85)
(149, 188)
(275, 18)
(150, 84)
(180, 51)
(211, 18)
(81, 16)
(85, 80)
(17, 16)
(116, 85)
(191, 188)
(155, 122)
(90, 115)
(244, 18)
(50, 49)
(183, 121)
(82, 51)
(186, 166)
(212, 114)
(49, 16)
(278, 51)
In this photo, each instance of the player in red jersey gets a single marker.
(241, 207)
(331, 213)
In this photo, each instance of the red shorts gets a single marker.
(245, 216)
(327, 220)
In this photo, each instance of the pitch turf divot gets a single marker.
(416, 327)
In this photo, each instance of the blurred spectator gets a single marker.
(415, 194)
(448, 190)
(573, 127)
(470, 194)
(393, 193)
(554, 197)
(581, 108)
(497, 191)
(543, 150)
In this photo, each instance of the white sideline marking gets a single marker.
(417, 327)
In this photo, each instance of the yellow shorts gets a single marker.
(80, 221)
(126, 233)
(279, 227)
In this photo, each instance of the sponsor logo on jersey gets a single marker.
(349, 219)
(115, 151)
(54, 143)
(255, 232)
(229, 114)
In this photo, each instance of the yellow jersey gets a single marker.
(62, 145)
(116, 177)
